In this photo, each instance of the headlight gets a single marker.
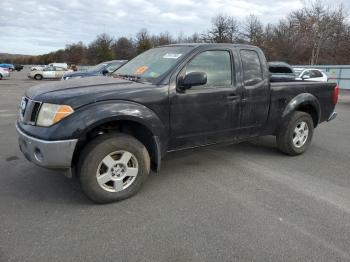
(50, 114)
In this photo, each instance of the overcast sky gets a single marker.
(40, 26)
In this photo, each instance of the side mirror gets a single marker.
(193, 79)
(105, 72)
(305, 77)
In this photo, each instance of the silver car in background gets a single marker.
(310, 74)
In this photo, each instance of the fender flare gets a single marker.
(117, 110)
(88, 117)
(303, 99)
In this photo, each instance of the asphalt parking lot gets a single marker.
(245, 202)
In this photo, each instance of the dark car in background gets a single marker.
(18, 67)
(104, 68)
(281, 72)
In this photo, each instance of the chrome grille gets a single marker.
(29, 110)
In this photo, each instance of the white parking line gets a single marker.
(7, 115)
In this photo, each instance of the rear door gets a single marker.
(256, 85)
(49, 72)
(59, 72)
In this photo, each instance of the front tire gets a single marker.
(113, 167)
(295, 134)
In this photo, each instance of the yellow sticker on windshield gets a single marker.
(141, 70)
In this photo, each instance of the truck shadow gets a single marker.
(202, 161)
(35, 184)
(263, 146)
(41, 185)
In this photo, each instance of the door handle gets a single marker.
(232, 97)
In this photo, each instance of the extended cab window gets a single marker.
(252, 72)
(217, 66)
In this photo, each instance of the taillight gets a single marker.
(335, 94)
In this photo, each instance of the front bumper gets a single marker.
(50, 154)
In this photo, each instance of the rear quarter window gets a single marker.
(316, 73)
(252, 71)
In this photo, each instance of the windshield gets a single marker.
(97, 67)
(152, 64)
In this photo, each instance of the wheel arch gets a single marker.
(126, 125)
(304, 102)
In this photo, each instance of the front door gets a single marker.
(204, 114)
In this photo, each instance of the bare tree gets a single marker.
(253, 30)
(75, 53)
(224, 30)
(316, 24)
(143, 41)
(100, 49)
(194, 38)
(162, 39)
(123, 48)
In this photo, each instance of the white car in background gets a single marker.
(41, 67)
(4, 73)
(37, 67)
(310, 74)
(61, 65)
(49, 72)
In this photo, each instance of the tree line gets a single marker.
(314, 34)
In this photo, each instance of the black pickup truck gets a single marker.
(111, 131)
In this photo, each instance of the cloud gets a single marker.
(38, 26)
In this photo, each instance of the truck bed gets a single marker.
(283, 92)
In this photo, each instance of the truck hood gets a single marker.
(81, 91)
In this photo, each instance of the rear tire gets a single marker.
(113, 167)
(38, 77)
(0, 76)
(295, 134)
